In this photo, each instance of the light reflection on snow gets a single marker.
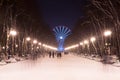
(67, 68)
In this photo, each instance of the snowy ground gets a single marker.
(69, 67)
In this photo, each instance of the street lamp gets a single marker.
(107, 33)
(81, 43)
(28, 44)
(37, 47)
(13, 33)
(34, 47)
(81, 47)
(28, 38)
(3, 47)
(93, 39)
(34, 41)
(40, 43)
(86, 41)
(16, 46)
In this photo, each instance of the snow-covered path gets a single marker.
(69, 67)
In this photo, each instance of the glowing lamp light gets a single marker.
(61, 37)
(28, 39)
(71, 47)
(35, 41)
(49, 47)
(16, 45)
(107, 33)
(37, 47)
(86, 42)
(3, 47)
(106, 44)
(81, 43)
(43, 45)
(13, 33)
(93, 39)
(39, 43)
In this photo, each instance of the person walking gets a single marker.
(49, 54)
(53, 54)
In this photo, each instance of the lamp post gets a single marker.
(28, 44)
(13, 33)
(93, 39)
(81, 47)
(107, 34)
(86, 43)
(34, 45)
(40, 44)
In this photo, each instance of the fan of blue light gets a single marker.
(61, 32)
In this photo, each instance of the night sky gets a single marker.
(61, 12)
(39, 17)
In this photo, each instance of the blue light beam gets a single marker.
(61, 32)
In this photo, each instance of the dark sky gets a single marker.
(61, 12)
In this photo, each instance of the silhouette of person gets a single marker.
(49, 54)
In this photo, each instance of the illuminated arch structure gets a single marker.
(61, 32)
